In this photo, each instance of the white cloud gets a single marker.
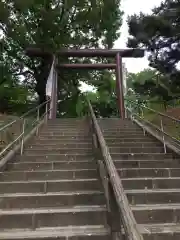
(131, 7)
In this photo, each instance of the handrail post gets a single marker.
(23, 131)
(46, 116)
(142, 115)
(38, 117)
(130, 111)
(163, 137)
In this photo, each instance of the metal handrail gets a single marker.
(159, 128)
(129, 223)
(153, 110)
(22, 116)
(24, 122)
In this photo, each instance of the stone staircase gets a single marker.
(53, 191)
(151, 179)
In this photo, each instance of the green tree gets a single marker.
(103, 99)
(159, 34)
(148, 85)
(53, 25)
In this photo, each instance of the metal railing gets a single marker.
(121, 219)
(16, 130)
(166, 126)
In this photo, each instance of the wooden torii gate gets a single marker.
(117, 54)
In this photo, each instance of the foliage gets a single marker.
(103, 100)
(14, 95)
(148, 85)
(53, 25)
(159, 32)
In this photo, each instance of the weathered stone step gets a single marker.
(44, 217)
(50, 142)
(49, 186)
(64, 134)
(119, 129)
(57, 145)
(48, 175)
(63, 138)
(153, 196)
(143, 156)
(129, 140)
(50, 165)
(65, 150)
(148, 163)
(53, 200)
(123, 130)
(167, 231)
(138, 150)
(157, 213)
(149, 172)
(151, 183)
(73, 124)
(123, 135)
(56, 157)
(134, 144)
(98, 232)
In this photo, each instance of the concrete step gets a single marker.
(166, 163)
(63, 138)
(123, 135)
(53, 199)
(57, 145)
(138, 150)
(153, 196)
(55, 157)
(53, 217)
(167, 231)
(142, 144)
(50, 165)
(48, 175)
(124, 131)
(50, 186)
(149, 172)
(151, 183)
(120, 140)
(70, 141)
(98, 232)
(64, 134)
(143, 156)
(41, 151)
(156, 213)
(68, 124)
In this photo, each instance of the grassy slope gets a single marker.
(171, 127)
(9, 134)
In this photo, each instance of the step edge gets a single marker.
(61, 193)
(45, 233)
(72, 209)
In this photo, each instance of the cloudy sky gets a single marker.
(130, 7)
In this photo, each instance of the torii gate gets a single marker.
(117, 54)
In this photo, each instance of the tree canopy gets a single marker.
(159, 33)
(148, 85)
(53, 25)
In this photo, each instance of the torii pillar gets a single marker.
(119, 85)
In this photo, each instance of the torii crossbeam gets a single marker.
(117, 54)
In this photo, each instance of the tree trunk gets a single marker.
(165, 105)
(41, 81)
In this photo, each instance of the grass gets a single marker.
(9, 134)
(171, 127)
